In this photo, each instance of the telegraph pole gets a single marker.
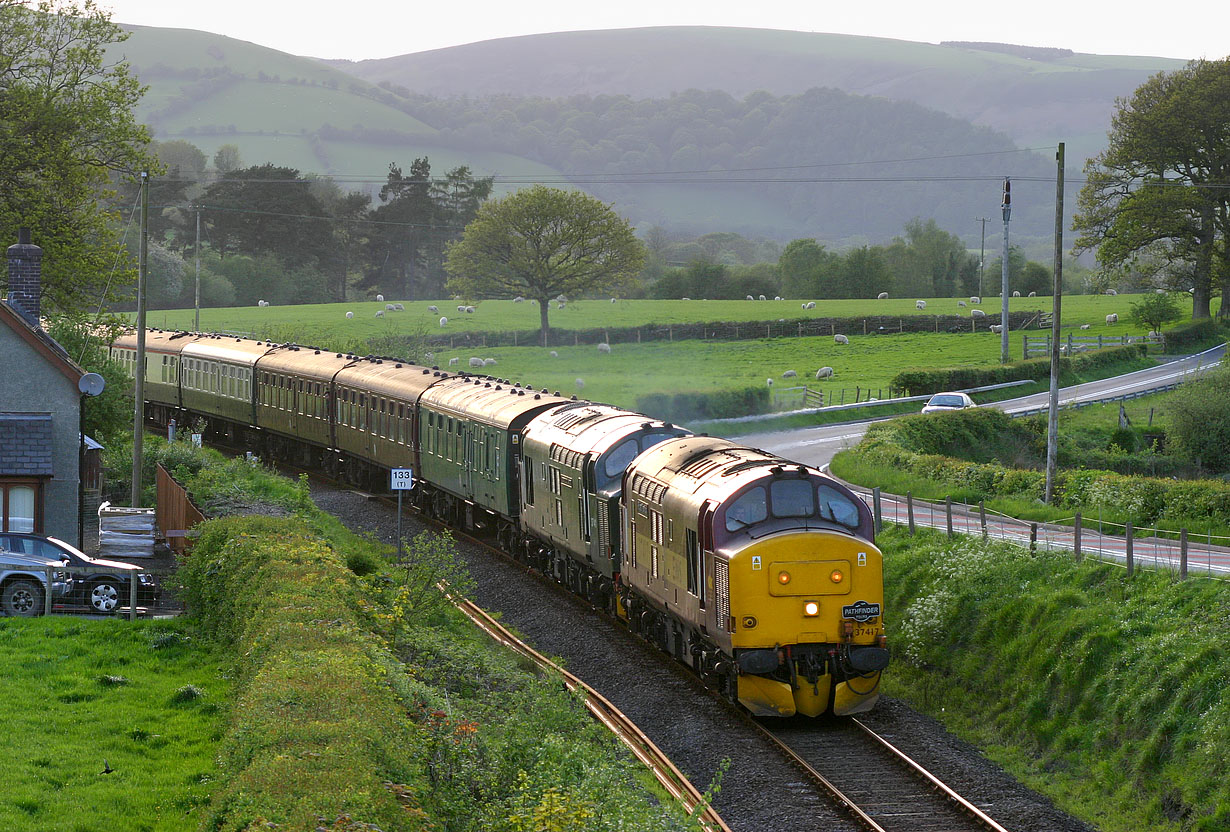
(1052, 420)
(1006, 207)
(196, 319)
(138, 427)
(982, 252)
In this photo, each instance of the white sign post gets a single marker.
(400, 479)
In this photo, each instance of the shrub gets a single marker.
(1200, 421)
(925, 382)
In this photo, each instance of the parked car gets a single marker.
(101, 590)
(942, 402)
(23, 583)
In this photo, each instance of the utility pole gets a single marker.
(138, 427)
(982, 251)
(196, 319)
(1052, 420)
(1006, 207)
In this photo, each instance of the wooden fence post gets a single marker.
(876, 509)
(948, 513)
(982, 516)
(1182, 554)
(1033, 538)
(1076, 538)
(909, 509)
(1127, 536)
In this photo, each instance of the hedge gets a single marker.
(1193, 334)
(318, 732)
(691, 407)
(925, 382)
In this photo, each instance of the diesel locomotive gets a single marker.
(760, 573)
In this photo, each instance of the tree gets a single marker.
(1155, 310)
(802, 267)
(1158, 190)
(227, 159)
(266, 209)
(66, 127)
(542, 243)
(1200, 420)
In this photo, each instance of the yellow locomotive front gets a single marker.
(761, 573)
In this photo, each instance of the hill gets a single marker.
(1036, 96)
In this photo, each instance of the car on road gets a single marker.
(23, 583)
(943, 402)
(100, 585)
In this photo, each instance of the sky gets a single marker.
(361, 29)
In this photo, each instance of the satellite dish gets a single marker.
(91, 384)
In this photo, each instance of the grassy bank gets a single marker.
(148, 700)
(369, 699)
(1109, 694)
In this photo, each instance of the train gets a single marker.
(760, 573)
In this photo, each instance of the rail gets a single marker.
(1035, 345)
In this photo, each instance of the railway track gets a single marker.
(879, 785)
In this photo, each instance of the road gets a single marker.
(817, 446)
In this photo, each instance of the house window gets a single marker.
(19, 502)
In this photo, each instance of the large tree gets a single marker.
(542, 243)
(266, 209)
(66, 127)
(1156, 197)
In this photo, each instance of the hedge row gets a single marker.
(691, 407)
(925, 382)
(1193, 334)
(1145, 499)
(317, 731)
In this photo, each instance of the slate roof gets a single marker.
(25, 444)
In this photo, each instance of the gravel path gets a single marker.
(760, 792)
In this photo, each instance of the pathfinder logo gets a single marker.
(861, 611)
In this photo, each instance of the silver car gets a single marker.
(23, 583)
(942, 402)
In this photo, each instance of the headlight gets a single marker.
(145, 578)
(811, 608)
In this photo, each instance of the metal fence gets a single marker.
(1035, 345)
(1181, 553)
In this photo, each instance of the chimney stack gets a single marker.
(25, 277)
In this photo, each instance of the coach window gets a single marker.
(748, 509)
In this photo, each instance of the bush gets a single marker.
(1200, 421)
(694, 407)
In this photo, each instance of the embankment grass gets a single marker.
(1110, 694)
(148, 699)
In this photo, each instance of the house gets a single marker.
(41, 389)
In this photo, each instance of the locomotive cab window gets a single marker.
(751, 507)
(837, 507)
(792, 498)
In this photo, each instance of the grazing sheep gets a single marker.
(612, 300)
(349, 314)
(444, 322)
(762, 297)
(997, 328)
(461, 308)
(1084, 326)
(429, 356)
(380, 298)
(476, 362)
(749, 297)
(1160, 291)
(1016, 294)
(1112, 318)
(1033, 294)
(489, 362)
(769, 381)
(789, 374)
(434, 309)
(961, 303)
(554, 354)
(562, 298)
(580, 384)
(811, 304)
(882, 296)
(470, 310)
(840, 339)
(920, 304)
(518, 299)
(685, 298)
(559, 304)
(604, 348)
(388, 307)
(975, 300)
(977, 313)
(379, 313)
(824, 372)
(1111, 292)
(452, 362)
(779, 297)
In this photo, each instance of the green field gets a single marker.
(503, 315)
(147, 699)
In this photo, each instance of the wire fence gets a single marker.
(1181, 553)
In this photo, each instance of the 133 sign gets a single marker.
(401, 479)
